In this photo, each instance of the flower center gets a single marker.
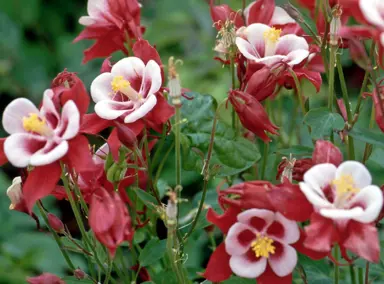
(271, 37)
(345, 185)
(263, 246)
(33, 123)
(119, 84)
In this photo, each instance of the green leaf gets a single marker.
(322, 122)
(233, 154)
(238, 280)
(74, 280)
(367, 135)
(152, 252)
(296, 150)
(146, 198)
(317, 272)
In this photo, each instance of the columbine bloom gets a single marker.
(260, 238)
(128, 91)
(38, 137)
(263, 44)
(346, 204)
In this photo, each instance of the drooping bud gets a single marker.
(14, 192)
(326, 152)
(79, 274)
(262, 84)
(171, 210)
(378, 102)
(55, 223)
(45, 278)
(174, 82)
(293, 13)
(126, 135)
(252, 114)
(335, 26)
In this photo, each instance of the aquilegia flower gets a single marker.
(38, 137)
(346, 204)
(128, 91)
(263, 44)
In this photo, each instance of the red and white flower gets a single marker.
(259, 238)
(263, 44)
(343, 193)
(38, 137)
(128, 91)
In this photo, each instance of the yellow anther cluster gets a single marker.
(119, 83)
(272, 35)
(345, 185)
(263, 246)
(33, 123)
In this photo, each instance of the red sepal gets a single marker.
(269, 277)
(3, 158)
(218, 268)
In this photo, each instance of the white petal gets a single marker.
(20, 147)
(247, 49)
(101, 152)
(70, 121)
(372, 198)
(243, 267)
(151, 82)
(87, 21)
(289, 43)
(357, 170)
(15, 112)
(245, 217)
(280, 17)
(46, 157)
(101, 87)
(142, 110)
(272, 60)
(48, 109)
(283, 264)
(341, 214)
(131, 68)
(291, 230)
(95, 8)
(255, 36)
(371, 12)
(320, 176)
(232, 244)
(111, 110)
(313, 197)
(297, 56)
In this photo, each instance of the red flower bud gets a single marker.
(67, 86)
(106, 66)
(45, 278)
(126, 135)
(109, 219)
(55, 223)
(79, 274)
(326, 152)
(221, 13)
(248, 195)
(262, 84)
(252, 114)
(379, 106)
(342, 108)
(143, 273)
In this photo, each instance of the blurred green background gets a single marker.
(36, 44)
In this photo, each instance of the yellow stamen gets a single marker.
(263, 246)
(33, 123)
(272, 35)
(119, 83)
(345, 185)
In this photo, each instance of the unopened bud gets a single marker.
(106, 66)
(55, 223)
(334, 30)
(293, 13)
(79, 274)
(288, 169)
(14, 192)
(174, 81)
(126, 135)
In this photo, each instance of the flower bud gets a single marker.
(334, 31)
(378, 102)
(262, 84)
(14, 192)
(45, 278)
(55, 223)
(126, 135)
(174, 82)
(106, 66)
(326, 152)
(252, 114)
(171, 212)
(79, 274)
(293, 169)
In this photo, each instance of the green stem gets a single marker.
(331, 82)
(351, 145)
(337, 272)
(368, 147)
(178, 144)
(56, 237)
(265, 161)
(367, 272)
(235, 125)
(205, 173)
(352, 274)
(109, 270)
(299, 92)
